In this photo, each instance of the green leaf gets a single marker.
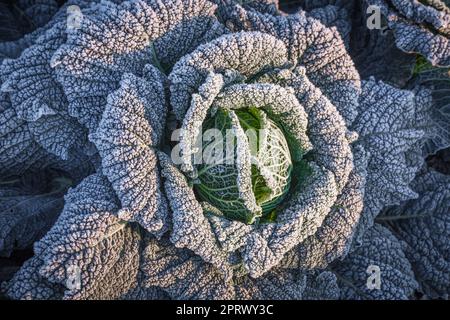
(270, 175)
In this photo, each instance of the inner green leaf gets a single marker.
(217, 183)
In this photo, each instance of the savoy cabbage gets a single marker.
(99, 173)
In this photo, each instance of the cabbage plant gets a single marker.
(300, 159)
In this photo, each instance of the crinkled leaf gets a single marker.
(424, 224)
(130, 128)
(312, 45)
(88, 252)
(389, 131)
(20, 152)
(38, 98)
(379, 255)
(333, 238)
(431, 85)
(27, 210)
(182, 274)
(123, 38)
(419, 26)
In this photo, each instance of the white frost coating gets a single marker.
(243, 167)
(278, 102)
(121, 38)
(125, 138)
(195, 116)
(420, 27)
(310, 44)
(36, 95)
(357, 146)
(19, 150)
(191, 228)
(247, 53)
(382, 249)
(231, 234)
(28, 284)
(17, 141)
(88, 237)
(424, 224)
(334, 238)
(391, 131)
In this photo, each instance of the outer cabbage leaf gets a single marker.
(326, 128)
(28, 284)
(23, 16)
(321, 285)
(424, 224)
(431, 86)
(375, 52)
(190, 228)
(117, 39)
(333, 239)
(130, 129)
(183, 275)
(13, 48)
(151, 293)
(419, 26)
(379, 249)
(19, 151)
(280, 284)
(389, 131)
(381, 59)
(89, 244)
(310, 44)
(36, 95)
(263, 6)
(28, 208)
(196, 115)
(246, 53)
(332, 13)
